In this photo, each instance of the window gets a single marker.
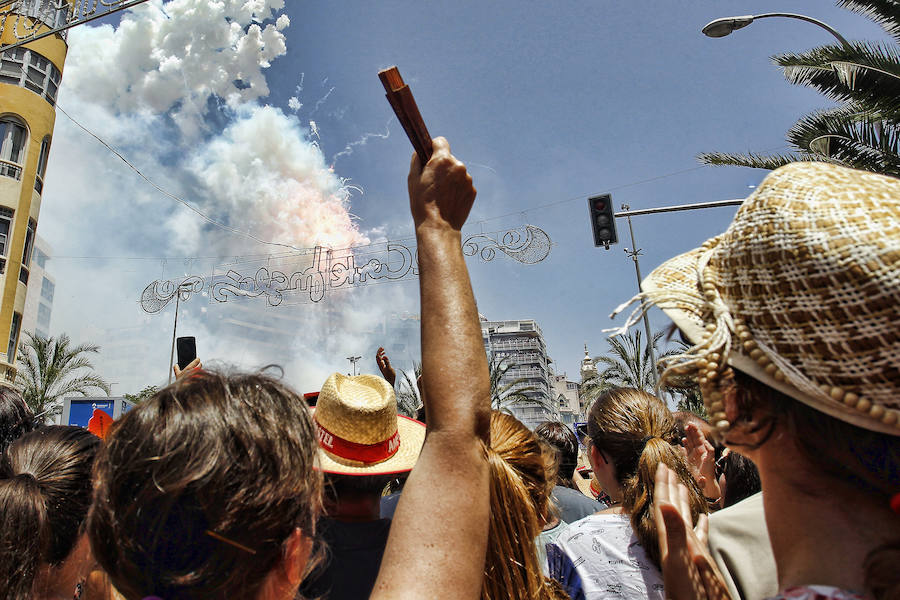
(42, 165)
(32, 71)
(40, 258)
(6, 217)
(26, 252)
(43, 317)
(47, 289)
(13, 137)
(13, 337)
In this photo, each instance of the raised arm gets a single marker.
(439, 534)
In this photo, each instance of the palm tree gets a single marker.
(408, 402)
(47, 372)
(505, 396)
(629, 363)
(863, 131)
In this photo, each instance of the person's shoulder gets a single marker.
(564, 493)
(748, 510)
(594, 522)
(574, 505)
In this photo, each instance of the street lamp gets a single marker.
(724, 26)
(353, 360)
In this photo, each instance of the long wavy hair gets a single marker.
(638, 432)
(520, 495)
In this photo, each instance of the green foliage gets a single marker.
(408, 403)
(863, 131)
(52, 368)
(504, 396)
(141, 395)
(628, 363)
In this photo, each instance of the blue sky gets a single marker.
(546, 102)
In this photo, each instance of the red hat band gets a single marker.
(364, 453)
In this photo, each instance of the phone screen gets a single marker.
(187, 350)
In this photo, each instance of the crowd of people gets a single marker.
(232, 485)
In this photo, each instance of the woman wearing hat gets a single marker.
(793, 313)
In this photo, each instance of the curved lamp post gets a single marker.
(724, 26)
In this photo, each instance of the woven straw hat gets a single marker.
(359, 430)
(802, 293)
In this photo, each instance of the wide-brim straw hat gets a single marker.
(802, 293)
(359, 431)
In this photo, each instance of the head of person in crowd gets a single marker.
(209, 489)
(563, 439)
(738, 477)
(793, 314)
(363, 444)
(45, 494)
(630, 433)
(16, 419)
(683, 418)
(520, 504)
(363, 441)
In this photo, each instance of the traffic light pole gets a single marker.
(633, 254)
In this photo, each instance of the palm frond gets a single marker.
(852, 139)
(757, 161)
(865, 73)
(884, 12)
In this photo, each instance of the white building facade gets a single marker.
(520, 344)
(567, 398)
(41, 289)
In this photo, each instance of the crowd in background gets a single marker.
(231, 485)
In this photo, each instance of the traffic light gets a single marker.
(603, 220)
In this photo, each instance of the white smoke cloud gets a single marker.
(264, 167)
(157, 87)
(176, 56)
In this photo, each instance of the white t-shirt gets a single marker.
(600, 558)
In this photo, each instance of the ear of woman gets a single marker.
(282, 582)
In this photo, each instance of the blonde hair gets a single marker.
(520, 496)
(637, 431)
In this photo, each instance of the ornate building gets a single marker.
(29, 80)
(588, 372)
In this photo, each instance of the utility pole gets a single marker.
(633, 254)
(175, 326)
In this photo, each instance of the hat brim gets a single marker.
(681, 275)
(412, 436)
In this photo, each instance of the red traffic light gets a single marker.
(603, 220)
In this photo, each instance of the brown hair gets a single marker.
(520, 495)
(638, 432)
(199, 487)
(45, 493)
(563, 439)
(16, 418)
(866, 460)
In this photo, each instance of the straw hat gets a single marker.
(802, 292)
(359, 430)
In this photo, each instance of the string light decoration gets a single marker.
(341, 269)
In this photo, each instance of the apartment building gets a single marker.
(520, 345)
